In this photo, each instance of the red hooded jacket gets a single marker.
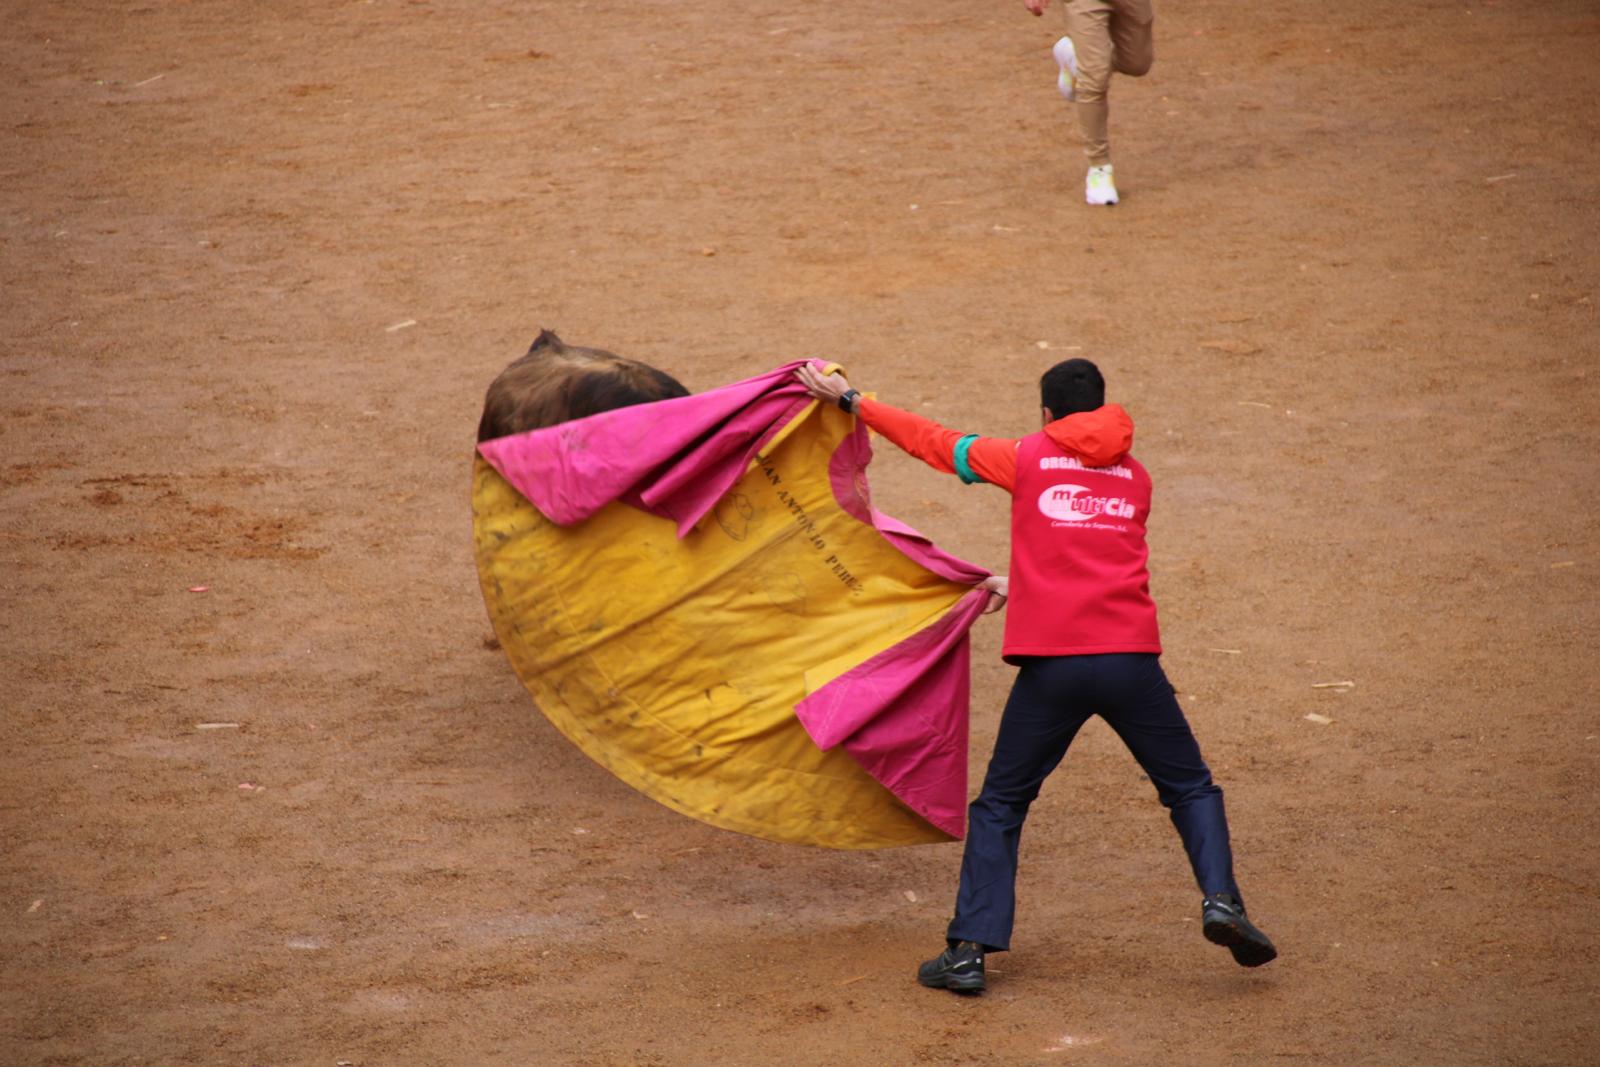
(1080, 582)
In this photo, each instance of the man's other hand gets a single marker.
(999, 586)
(1036, 6)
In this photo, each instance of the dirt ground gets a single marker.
(260, 261)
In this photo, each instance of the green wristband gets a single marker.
(963, 468)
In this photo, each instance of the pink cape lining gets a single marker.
(902, 715)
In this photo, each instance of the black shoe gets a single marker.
(959, 969)
(1222, 919)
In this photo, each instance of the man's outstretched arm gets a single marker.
(971, 457)
(1098, 438)
(968, 456)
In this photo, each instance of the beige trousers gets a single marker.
(1107, 35)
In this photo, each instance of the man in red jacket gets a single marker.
(1081, 628)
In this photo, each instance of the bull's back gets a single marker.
(555, 383)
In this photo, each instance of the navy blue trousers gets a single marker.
(1050, 700)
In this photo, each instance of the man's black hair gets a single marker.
(1072, 386)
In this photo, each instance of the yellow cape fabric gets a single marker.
(676, 664)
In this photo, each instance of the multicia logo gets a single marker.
(1073, 503)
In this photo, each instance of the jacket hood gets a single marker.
(1099, 438)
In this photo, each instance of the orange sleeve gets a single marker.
(992, 459)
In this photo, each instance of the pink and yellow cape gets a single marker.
(699, 594)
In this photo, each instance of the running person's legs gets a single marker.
(1107, 36)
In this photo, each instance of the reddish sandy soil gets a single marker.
(260, 260)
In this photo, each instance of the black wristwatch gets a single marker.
(849, 398)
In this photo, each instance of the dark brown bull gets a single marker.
(556, 383)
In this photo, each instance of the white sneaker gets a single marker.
(1098, 188)
(1067, 60)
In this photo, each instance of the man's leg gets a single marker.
(1142, 708)
(1041, 718)
(1089, 26)
(1133, 48)
(1138, 702)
